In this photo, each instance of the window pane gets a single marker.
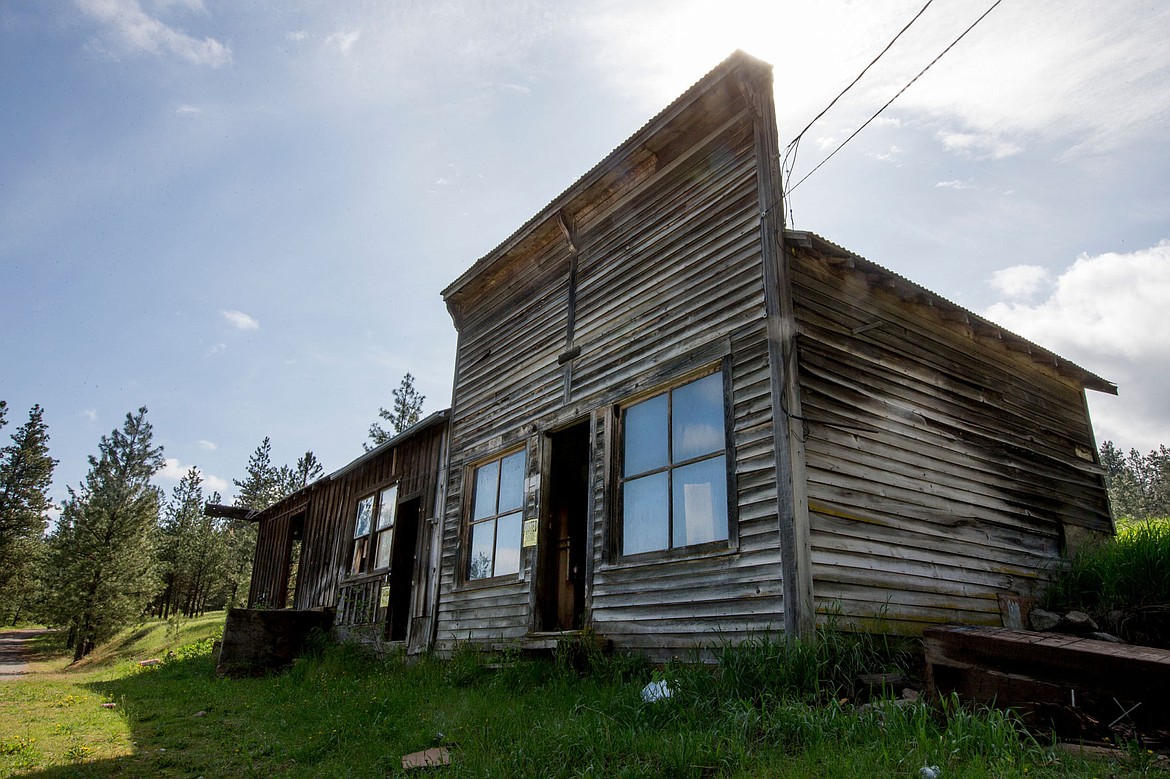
(512, 482)
(508, 544)
(359, 554)
(385, 539)
(486, 481)
(365, 512)
(697, 418)
(482, 540)
(700, 502)
(645, 434)
(387, 506)
(645, 514)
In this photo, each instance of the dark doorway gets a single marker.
(292, 567)
(401, 577)
(563, 541)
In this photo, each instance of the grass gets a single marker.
(767, 709)
(1128, 572)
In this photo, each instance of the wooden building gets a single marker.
(361, 540)
(680, 423)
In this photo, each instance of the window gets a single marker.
(383, 506)
(497, 512)
(387, 510)
(674, 469)
(361, 534)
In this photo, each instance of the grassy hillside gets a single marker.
(766, 711)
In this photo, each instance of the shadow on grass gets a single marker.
(183, 721)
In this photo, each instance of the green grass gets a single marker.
(1128, 572)
(766, 709)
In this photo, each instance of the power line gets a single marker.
(793, 147)
(993, 6)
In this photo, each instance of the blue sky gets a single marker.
(241, 214)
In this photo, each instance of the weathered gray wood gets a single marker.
(667, 281)
(1127, 672)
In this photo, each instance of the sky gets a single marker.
(240, 214)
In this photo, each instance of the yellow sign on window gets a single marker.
(384, 598)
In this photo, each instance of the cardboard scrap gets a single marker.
(428, 758)
(155, 661)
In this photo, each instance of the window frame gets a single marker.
(370, 541)
(619, 480)
(469, 521)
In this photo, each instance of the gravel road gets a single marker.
(12, 647)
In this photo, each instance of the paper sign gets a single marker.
(384, 598)
(530, 526)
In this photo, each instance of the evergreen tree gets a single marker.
(102, 553)
(308, 470)
(26, 473)
(407, 410)
(193, 553)
(264, 483)
(1139, 484)
(25, 596)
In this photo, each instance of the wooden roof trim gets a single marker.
(738, 60)
(251, 515)
(439, 417)
(878, 275)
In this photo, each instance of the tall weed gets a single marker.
(1128, 572)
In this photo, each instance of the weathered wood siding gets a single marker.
(329, 511)
(942, 467)
(270, 563)
(669, 279)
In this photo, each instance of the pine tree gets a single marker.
(407, 410)
(102, 553)
(264, 484)
(193, 553)
(26, 473)
(308, 470)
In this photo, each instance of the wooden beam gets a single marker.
(1070, 662)
(221, 511)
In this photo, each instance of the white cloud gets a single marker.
(133, 31)
(894, 153)
(1020, 281)
(173, 471)
(1106, 312)
(213, 483)
(344, 39)
(90, 414)
(207, 446)
(188, 110)
(296, 36)
(215, 349)
(979, 146)
(954, 184)
(240, 320)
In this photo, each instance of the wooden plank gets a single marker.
(1130, 673)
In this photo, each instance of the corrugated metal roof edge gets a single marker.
(738, 58)
(1069, 368)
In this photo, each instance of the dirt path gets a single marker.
(12, 649)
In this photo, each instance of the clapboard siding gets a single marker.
(941, 467)
(725, 596)
(668, 281)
